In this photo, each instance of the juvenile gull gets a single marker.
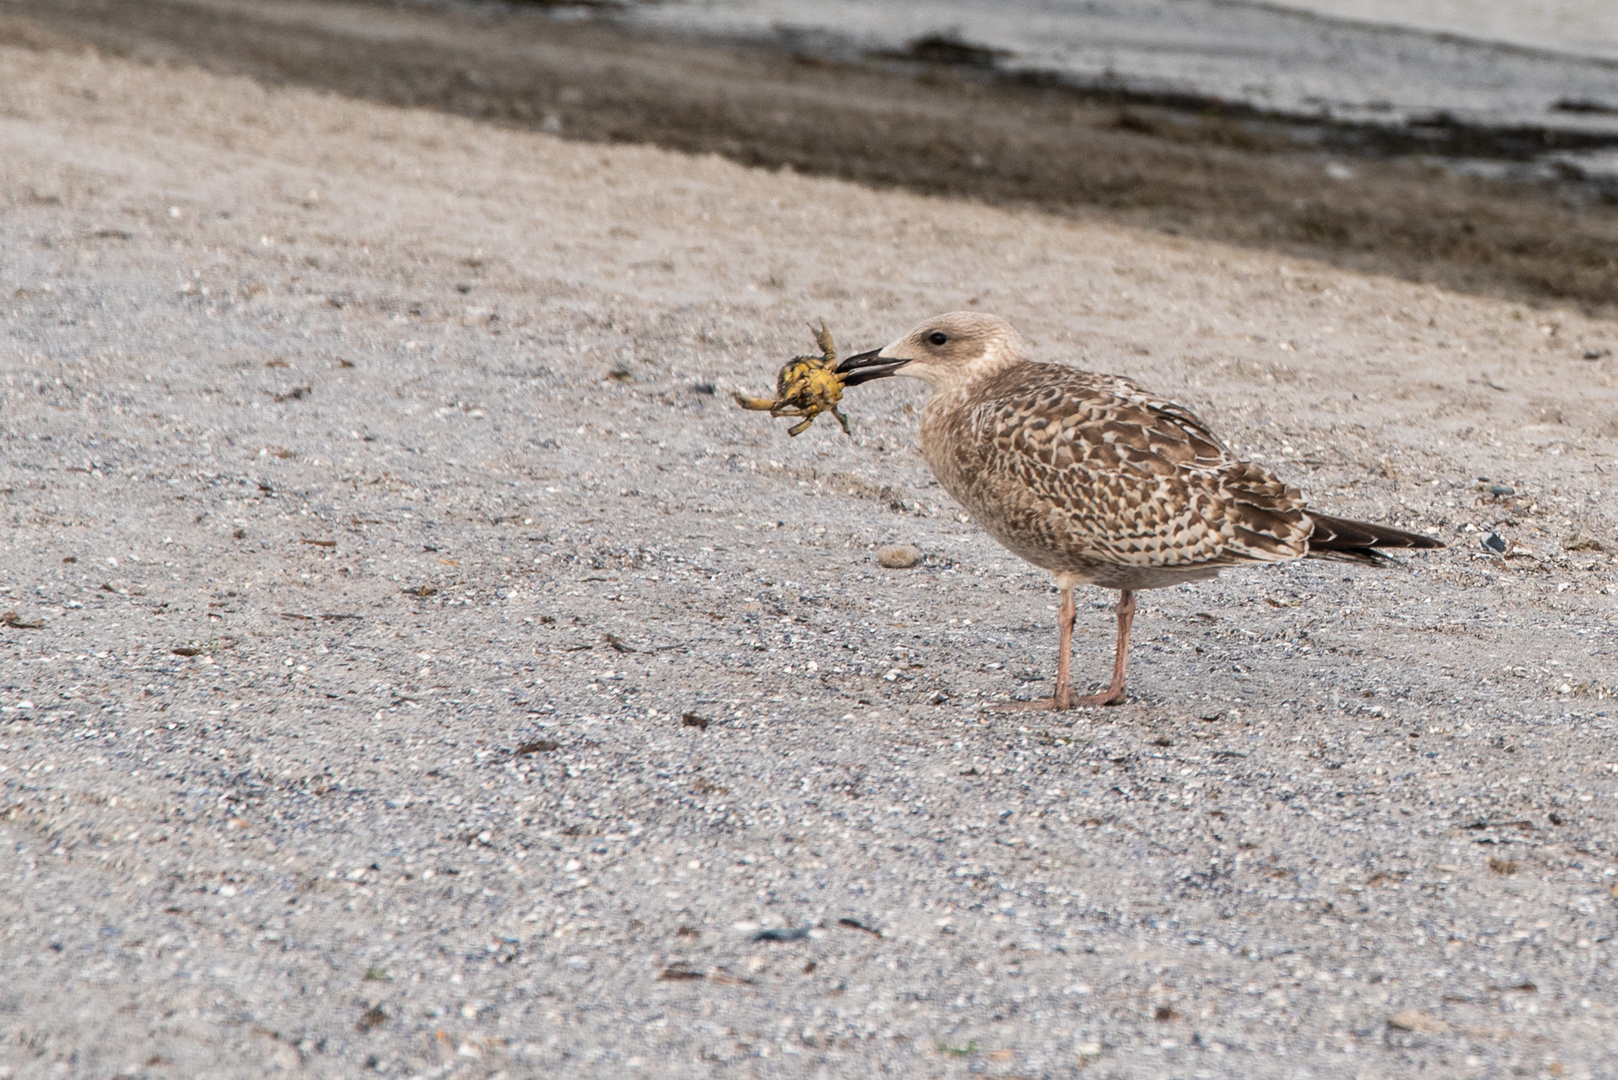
(1096, 480)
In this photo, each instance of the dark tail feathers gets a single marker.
(1339, 538)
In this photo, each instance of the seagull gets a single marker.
(1096, 480)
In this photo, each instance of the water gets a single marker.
(1495, 63)
(1576, 27)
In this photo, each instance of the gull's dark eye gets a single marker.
(938, 337)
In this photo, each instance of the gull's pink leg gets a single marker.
(1114, 694)
(1063, 697)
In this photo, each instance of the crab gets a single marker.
(806, 386)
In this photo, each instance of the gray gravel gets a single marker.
(440, 677)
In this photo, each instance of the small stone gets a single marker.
(1416, 1020)
(1493, 543)
(1501, 490)
(898, 556)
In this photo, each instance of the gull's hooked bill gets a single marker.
(865, 366)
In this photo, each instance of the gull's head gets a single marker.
(942, 351)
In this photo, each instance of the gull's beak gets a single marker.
(865, 366)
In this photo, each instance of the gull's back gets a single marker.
(1089, 476)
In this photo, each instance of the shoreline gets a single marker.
(1295, 65)
(939, 129)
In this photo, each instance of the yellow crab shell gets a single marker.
(806, 386)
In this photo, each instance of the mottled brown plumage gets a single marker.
(1096, 480)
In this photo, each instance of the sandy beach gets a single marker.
(420, 667)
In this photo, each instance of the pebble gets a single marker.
(898, 556)
(1416, 1020)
